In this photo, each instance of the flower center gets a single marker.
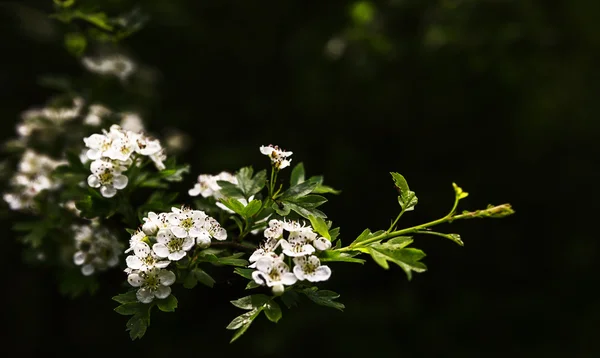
(149, 260)
(151, 282)
(274, 274)
(175, 244)
(187, 223)
(106, 177)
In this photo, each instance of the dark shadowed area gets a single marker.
(500, 97)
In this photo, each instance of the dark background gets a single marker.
(500, 97)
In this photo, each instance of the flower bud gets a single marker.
(150, 228)
(278, 290)
(203, 242)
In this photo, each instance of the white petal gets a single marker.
(322, 244)
(108, 191)
(288, 278)
(166, 277)
(94, 141)
(266, 150)
(163, 236)
(195, 191)
(141, 249)
(120, 181)
(264, 264)
(221, 234)
(149, 228)
(299, 272)
(321, 274)
(259, 277)
(144, 295)
(197, 231)
(79, 258)
(162, 264)
(257, 254)
(179, 231)
(133, 262)
(87, 270)
(188, 243)
(93, 181)
(160, 250)
(177, 255)
(135, 280)
(162, 292)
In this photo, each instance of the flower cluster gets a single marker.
(32, 177)
(279, 157)
(113, 152)
(97, 249)
(115, 65)
(163, 238)
(299, 243)
(207, 185)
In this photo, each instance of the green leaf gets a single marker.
(323, 297)
(273, 311)
(336, 256)
(234, 205)
(251, 285)
(365, 235)
(168, 304)
(251, 302)
(129, 309)
(203, 277)
(324, 189)
(319, 226)
(252, 208)
(230, 190)
(244, 272)
(407, 258)
(138, 323)
(75, 43)
(242, 323)
(297, 176)
(304, 211)
(290, 298)
(128, 297)
(248, 184)
(281, 208)
(407, 198)
(308, 201)
(334, 233)
(460, 194)
(300, 190)
(232, 260)
(175, 174)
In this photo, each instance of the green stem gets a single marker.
(395, 221)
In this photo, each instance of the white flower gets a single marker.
(137, 238)
(298, 243)
(123, 143)
(95, 114)
(144, 258)
(186, 222)
(107, 176)
(273, 272)
(152, 283)
(275, 229)
(309, 268)
(267, 249)
(132, 122)
(321, 244)
(97, 249)
(146, 145)
(207, 185)
(117, 65)
(279, 157)
(155, 222)
(214, 229)
(98, 144)
(158, 158)
(172, 247)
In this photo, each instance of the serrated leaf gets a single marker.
(248, 184)
(168, 304)
(234, 205)
(323, 297)
(319, 226)
(365, 235)
(308, 201)
(305, 212)
(407, 258)
(336, 256)
(138, 323)
(244, 272)
(251, 302)
(302, 189)
(242, 323)
(297, 176)
(230, 190)
(128, 309)
(252, 208)
(203, 277)
(272, 311)
(290, 298)
(128, 297)
(407, 198)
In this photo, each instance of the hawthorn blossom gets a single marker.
(267, 249)
(137, 238)
(321, 244)
(98, 144)
(146, 145)
(298, 243)
(117, 65)
(144, 258)
(279, 157)
(214, 229)
(155, 222)
(310, 268)
(122, 145)
(186, 222)
(207, 185)
(275, 229)
(173, 247)
(107, 176)
(96, 248)
(152, 283)
(158, 159)
(273, 272)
